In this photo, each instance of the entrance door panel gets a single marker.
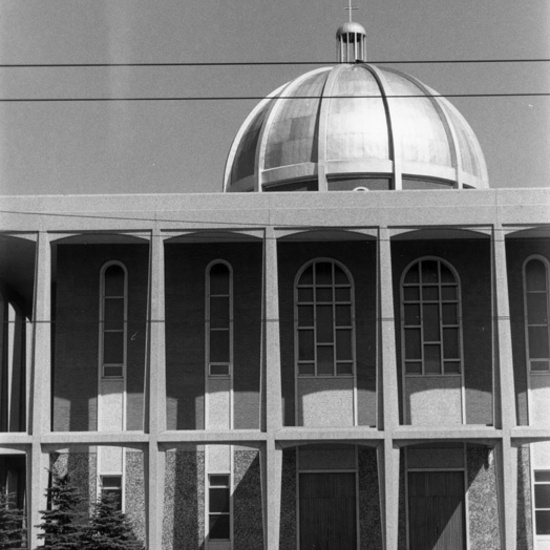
(436, 511)
(327, 511)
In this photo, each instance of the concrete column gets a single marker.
(273, 461)
(156, 398)
(40, 421)
(388, 455)
(505, 397)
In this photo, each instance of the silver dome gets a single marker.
(354, 125)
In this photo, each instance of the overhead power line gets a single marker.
(261, 63)
(260, 97)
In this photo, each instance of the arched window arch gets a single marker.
(324, 320)
(431, 318)
(112, 320)
(219, 318)
(536, 302)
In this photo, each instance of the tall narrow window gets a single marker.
(542, 502)
(430, 312)
(113, 321)
(536, 314)
(219, 509)
(324, 321)
(219, 320)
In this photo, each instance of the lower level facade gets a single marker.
(284, 371)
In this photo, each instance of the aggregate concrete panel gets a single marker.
(247, 500)
(288, 537)
(525, 513)
(484, 526)
(370, 519)
(134, 489)
(183, 521)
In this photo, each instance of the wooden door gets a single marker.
(328, 518)
(436, 511)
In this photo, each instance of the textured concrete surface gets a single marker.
(484, 519)
(134, 487)
(183, 523)
(288, 501)
(370, 521)
(247, 501)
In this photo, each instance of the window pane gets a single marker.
(343, 316)
(112, 371)
(446, 274)
(219, 312)
(114, 281)
(340, 277)
(452, 367)
(542, 495)
(307, 276)
(450, 343)
(429, 272)
(344, 369)
(411, 293)
(537, 308)
(113, 347)
(543, 522)
(430, 293)
(325, 360)
(324, 294)
(412, 275)
(542, 475)
(219, 369)
(219, 499)
(450, 314)
(412, 314)
(413, 367)
(540, 366)
(343, 344)
(432, 359)
(305, 295)
(535, 275)
(306, 349)
(448, 292)
(219, 480)
(115, 496)
(305, 316)
(219, 279)
(412, 344)
(219, 346)
(538, 343)
(219, 527)
(113, 314)
(342, 294)
(431, 322)
(113, 482)
(324, 324)
(323, 273)
(306, 369)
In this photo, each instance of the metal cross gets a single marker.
(350, 9)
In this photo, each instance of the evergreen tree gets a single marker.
(109, 528)
(12, 532)
(63, 523)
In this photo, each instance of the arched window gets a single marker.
(219, 319)
(324, 320)
(430, 312)
(535, 273)
(112, 320)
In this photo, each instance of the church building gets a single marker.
(347, 349)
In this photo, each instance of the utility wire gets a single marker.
(260, 63)
(261, 97)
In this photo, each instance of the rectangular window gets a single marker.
(219, 507)
(542, 502)
(111, 486)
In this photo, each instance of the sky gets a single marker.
(182, 146)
